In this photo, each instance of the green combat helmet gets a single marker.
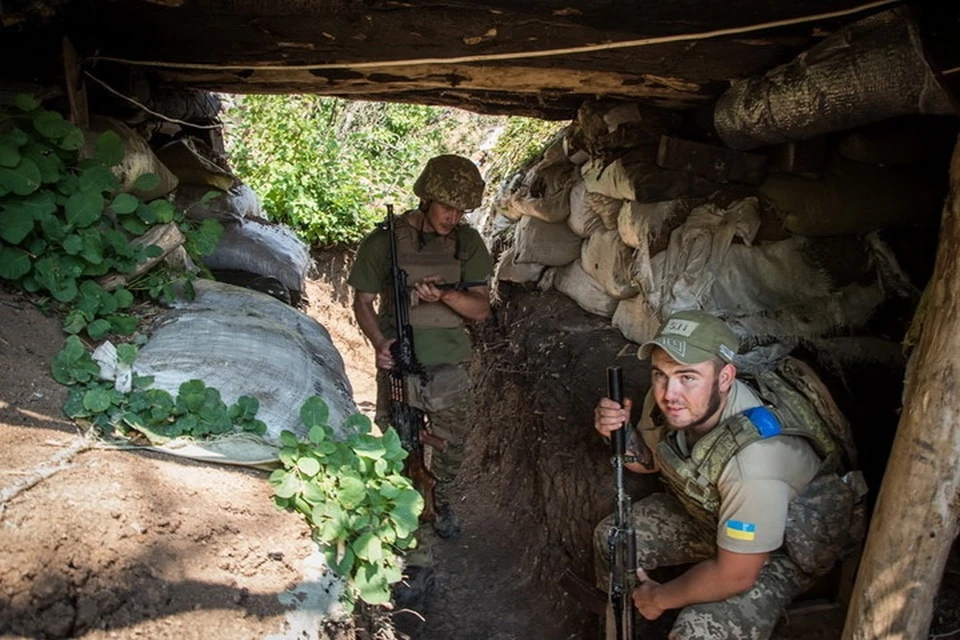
(452, 180)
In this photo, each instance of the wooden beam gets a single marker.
(916, 516)
(518, 80)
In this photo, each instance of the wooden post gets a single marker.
(915, 520)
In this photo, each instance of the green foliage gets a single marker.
(521, 140)
(360, 507)
(197, 411)
(325, 165)
(64, 222)
(320, 164)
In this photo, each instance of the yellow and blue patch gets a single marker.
(739, 530)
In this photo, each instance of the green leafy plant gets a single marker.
(64, 221)
(197, 411)
(360, 506)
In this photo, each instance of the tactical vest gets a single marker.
(693, 480)
(437, 256)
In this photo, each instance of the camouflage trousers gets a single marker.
(668, 536)
(447, 400)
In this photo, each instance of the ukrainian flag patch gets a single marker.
(741, 530)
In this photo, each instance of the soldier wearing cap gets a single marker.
(433, 247)
(754, 501)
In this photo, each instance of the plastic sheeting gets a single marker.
(264, 248)
(866, 72)
(243, 342)
(236, 204)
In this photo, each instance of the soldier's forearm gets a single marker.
(472, 304)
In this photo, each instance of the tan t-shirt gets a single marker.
(758, 483)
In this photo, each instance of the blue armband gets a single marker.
(763, 419)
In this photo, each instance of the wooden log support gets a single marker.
(717, 164)
(916, 516)
(166, 236)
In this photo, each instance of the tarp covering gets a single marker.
(243, 342)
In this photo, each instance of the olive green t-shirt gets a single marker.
(371, 274)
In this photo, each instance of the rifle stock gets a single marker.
(622, 542)
(409, 421)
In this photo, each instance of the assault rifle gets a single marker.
(409, 421)
(461, 285)
(622, 541)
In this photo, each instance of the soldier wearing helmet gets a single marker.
(433, 247)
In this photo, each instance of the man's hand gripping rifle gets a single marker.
(622, 541)
(409, 421)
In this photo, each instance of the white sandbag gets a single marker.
(611, 179)
(765, 277)
(264, 248)
(609, 261)
(509, 270)
(138, 159)
(775, 292)
(640, 223)
(243, 342)
(552, 244)
(684, 274)
(573, 281)
(586, 206)
(636, 320)
(233, 205)
(545, 194)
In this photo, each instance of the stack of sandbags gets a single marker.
(651, 229)
(251, 246)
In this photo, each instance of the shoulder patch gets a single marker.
(739, 530)
(763, 419)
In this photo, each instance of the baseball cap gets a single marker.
(692, 337)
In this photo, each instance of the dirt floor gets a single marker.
(105, 543)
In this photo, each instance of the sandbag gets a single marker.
(547, 194)
(608, 125)
(551, 244)
(138, 158)
(636, 320)
(243, 342)
(576, 284)
(636, 176)
(230, 206)
(584, 220)
(193, 162)
(591, 212)
(509, 270)
(854, 198)
(766, 277)
(643, 223)
(264, 248)
(608, 260)
(683, 275)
